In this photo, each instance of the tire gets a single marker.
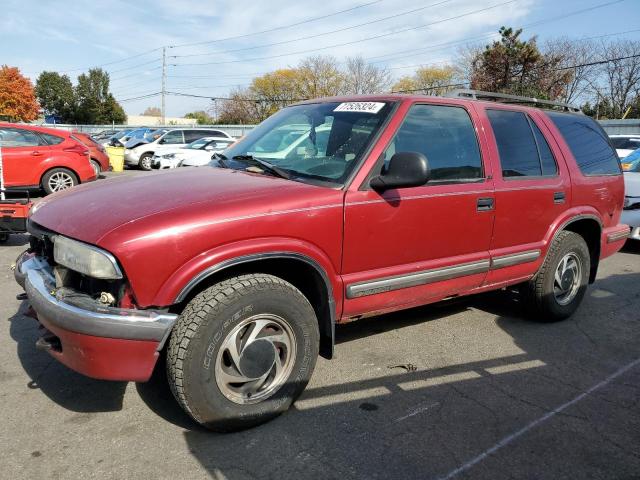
(552, 298)
(200, 359)
(58, 179)
(4, 237)
(96, 167)
(145, 161)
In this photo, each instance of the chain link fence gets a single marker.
(233, 130)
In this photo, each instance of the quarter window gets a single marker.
(52, 139)
(588, 143)
(443, 134)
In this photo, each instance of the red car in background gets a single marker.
(37, 157)
(98, 155)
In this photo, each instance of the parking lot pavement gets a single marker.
(460, 390)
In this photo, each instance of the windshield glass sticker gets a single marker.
(360, 107)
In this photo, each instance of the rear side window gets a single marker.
(588, 143)
(174, 137)
(445, 135)
(52, 139)
(523, 150)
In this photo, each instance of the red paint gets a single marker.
(96, 151)
(105, 358)
(25, 166)
(165, 228)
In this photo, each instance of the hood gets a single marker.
(90, 211)
(134, 142)
(632, 184)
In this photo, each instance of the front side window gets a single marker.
(172, 138)
(16, 137)
(315, 142)
(588, 143)
(443, 134)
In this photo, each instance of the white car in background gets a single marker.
(631, 212)
(625, 144)
(141, 155)
(196, 154)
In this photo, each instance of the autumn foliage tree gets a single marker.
(17, 98)
(428, 80)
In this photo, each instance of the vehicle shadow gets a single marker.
(62, 385)
(425, 420)
(16, 240)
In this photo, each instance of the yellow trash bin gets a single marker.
(116, 158)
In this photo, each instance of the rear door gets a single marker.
(410, 246)
(532, 190)
(23, 152)
(171, 140)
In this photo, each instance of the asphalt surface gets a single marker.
(461, 390)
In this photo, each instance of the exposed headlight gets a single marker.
(169, 155)
(85, 259)
(127, 150)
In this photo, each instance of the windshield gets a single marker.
(154, 135)
(322, 141)
(201, 142)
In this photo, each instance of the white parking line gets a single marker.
(510, 438)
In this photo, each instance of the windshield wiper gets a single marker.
(222, 160)
(266, 166)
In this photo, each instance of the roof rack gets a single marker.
(507, 98)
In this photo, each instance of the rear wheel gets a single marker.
(4, 237)
(58, 179)
(557, 290)
(145, 162)
(96, 167)
(242, 351)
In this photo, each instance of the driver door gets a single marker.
(411, 246)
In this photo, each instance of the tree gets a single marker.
(17, 98)
(55, 95)
(514, 66)
(571, 54)
(239, 109)
(319, 76)
(620, 75)
(431, 80)
(201, 117)
(365, 78)
(152, 112)
(94, 103)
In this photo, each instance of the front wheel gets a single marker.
(242, 351)
(146, 161)
(557, 290)
(58, 179)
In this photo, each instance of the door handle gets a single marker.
(485, 204)
(36, 153)
(559, 197)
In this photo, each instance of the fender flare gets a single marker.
(327, 331)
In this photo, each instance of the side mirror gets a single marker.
(406, 169)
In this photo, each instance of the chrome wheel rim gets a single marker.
(255, 359)
(96, 168)
(566, 281)
(60, 181)
(145, 163)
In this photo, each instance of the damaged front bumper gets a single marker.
(96, 340)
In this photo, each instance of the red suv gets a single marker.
(240, 271)
(38, 157)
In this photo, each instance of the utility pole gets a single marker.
(164, 80)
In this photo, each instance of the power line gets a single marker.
(315, 35)
(140, 97)
(355, 41)
(275, 28)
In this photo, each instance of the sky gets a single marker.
(214, 46)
